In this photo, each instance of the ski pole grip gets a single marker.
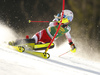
(29, 21)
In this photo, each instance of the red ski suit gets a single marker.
(47, 34)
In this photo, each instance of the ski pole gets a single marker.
(64, 53)
(73, 51)
(58, 27)
(37, 21)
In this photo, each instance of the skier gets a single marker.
(46, 35)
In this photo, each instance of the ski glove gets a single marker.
(73, 47)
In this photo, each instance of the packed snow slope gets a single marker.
(15, 63)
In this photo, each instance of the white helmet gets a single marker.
(68, 13)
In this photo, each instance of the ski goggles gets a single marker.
(64, 16)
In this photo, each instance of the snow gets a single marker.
(15, 63)
(6, 33)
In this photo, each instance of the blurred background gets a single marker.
(85, 25)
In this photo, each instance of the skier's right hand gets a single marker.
(73, 48)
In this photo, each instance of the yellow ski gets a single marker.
(17, 48)
(39, 54)
(42, 46)
(30, 50)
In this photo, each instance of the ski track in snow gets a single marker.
(15, 63)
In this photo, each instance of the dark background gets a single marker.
(85, 26)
